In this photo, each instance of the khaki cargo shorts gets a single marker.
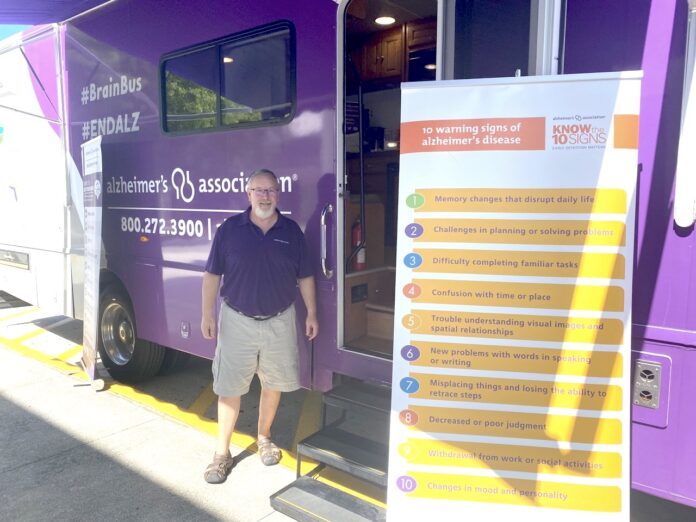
(246, 346)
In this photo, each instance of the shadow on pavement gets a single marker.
(46, 474)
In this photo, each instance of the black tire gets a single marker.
(126, 358)
(173, 361)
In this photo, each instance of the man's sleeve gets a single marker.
(216, 258)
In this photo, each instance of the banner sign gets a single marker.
(92, 183)
(511, 382)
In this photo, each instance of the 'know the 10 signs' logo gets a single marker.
(579, 132)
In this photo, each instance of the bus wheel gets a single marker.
(126, 357)
(173, 361)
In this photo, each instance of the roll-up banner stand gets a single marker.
(92, 183)
(511, 383)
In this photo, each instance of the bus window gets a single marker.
(491, 38)
(253, 93)
(191, 97)
(246, 79)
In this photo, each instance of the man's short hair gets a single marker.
(262, 172)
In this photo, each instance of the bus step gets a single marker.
(359, 394)
(340, 449)
(309, 500)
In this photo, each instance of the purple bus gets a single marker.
(192, 96)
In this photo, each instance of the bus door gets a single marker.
(385, 43)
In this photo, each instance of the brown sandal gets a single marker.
(268, 452)
(217, 471)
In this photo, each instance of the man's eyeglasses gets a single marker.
(264, 192)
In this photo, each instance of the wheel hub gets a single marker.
(125, 332)
(117, 333)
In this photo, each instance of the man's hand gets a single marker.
(211, 284)
(208, 327)
(307, 292)
(311, 327)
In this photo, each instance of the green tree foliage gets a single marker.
(191, 106)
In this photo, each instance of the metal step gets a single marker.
(309, 500)
(340, 449)
(360, 394)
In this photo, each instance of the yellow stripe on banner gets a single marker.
(525, 200)
(532, 359)
(522, 232)
(522, 263)
(487, 423)
(454, 388)
(535, 493)
(527, 327)
(516, 295)
(508, 457)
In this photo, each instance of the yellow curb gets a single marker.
(204, 401)
(69, 354)
(42, 357)
(24, 311)
(29, 335)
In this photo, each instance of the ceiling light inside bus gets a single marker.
(391, 144)
(430, 66)
(385, 20)
(227, 59)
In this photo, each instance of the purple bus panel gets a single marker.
(42, 55)
(652, 38)
(166, 193)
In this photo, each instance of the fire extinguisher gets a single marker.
(358, 262)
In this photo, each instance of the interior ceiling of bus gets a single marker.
(35, 12)
(362, 13)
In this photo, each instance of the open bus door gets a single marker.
(427, 40)
(420, 40)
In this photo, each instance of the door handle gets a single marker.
(328, 273)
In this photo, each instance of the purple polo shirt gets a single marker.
(260, 272)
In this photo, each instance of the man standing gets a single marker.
(261, 258)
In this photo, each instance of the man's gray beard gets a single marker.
(263, 214)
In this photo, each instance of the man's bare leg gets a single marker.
(268, 406)
(228, 411)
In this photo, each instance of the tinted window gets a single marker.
(491, 38)
(191, 94)
(245, 79)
